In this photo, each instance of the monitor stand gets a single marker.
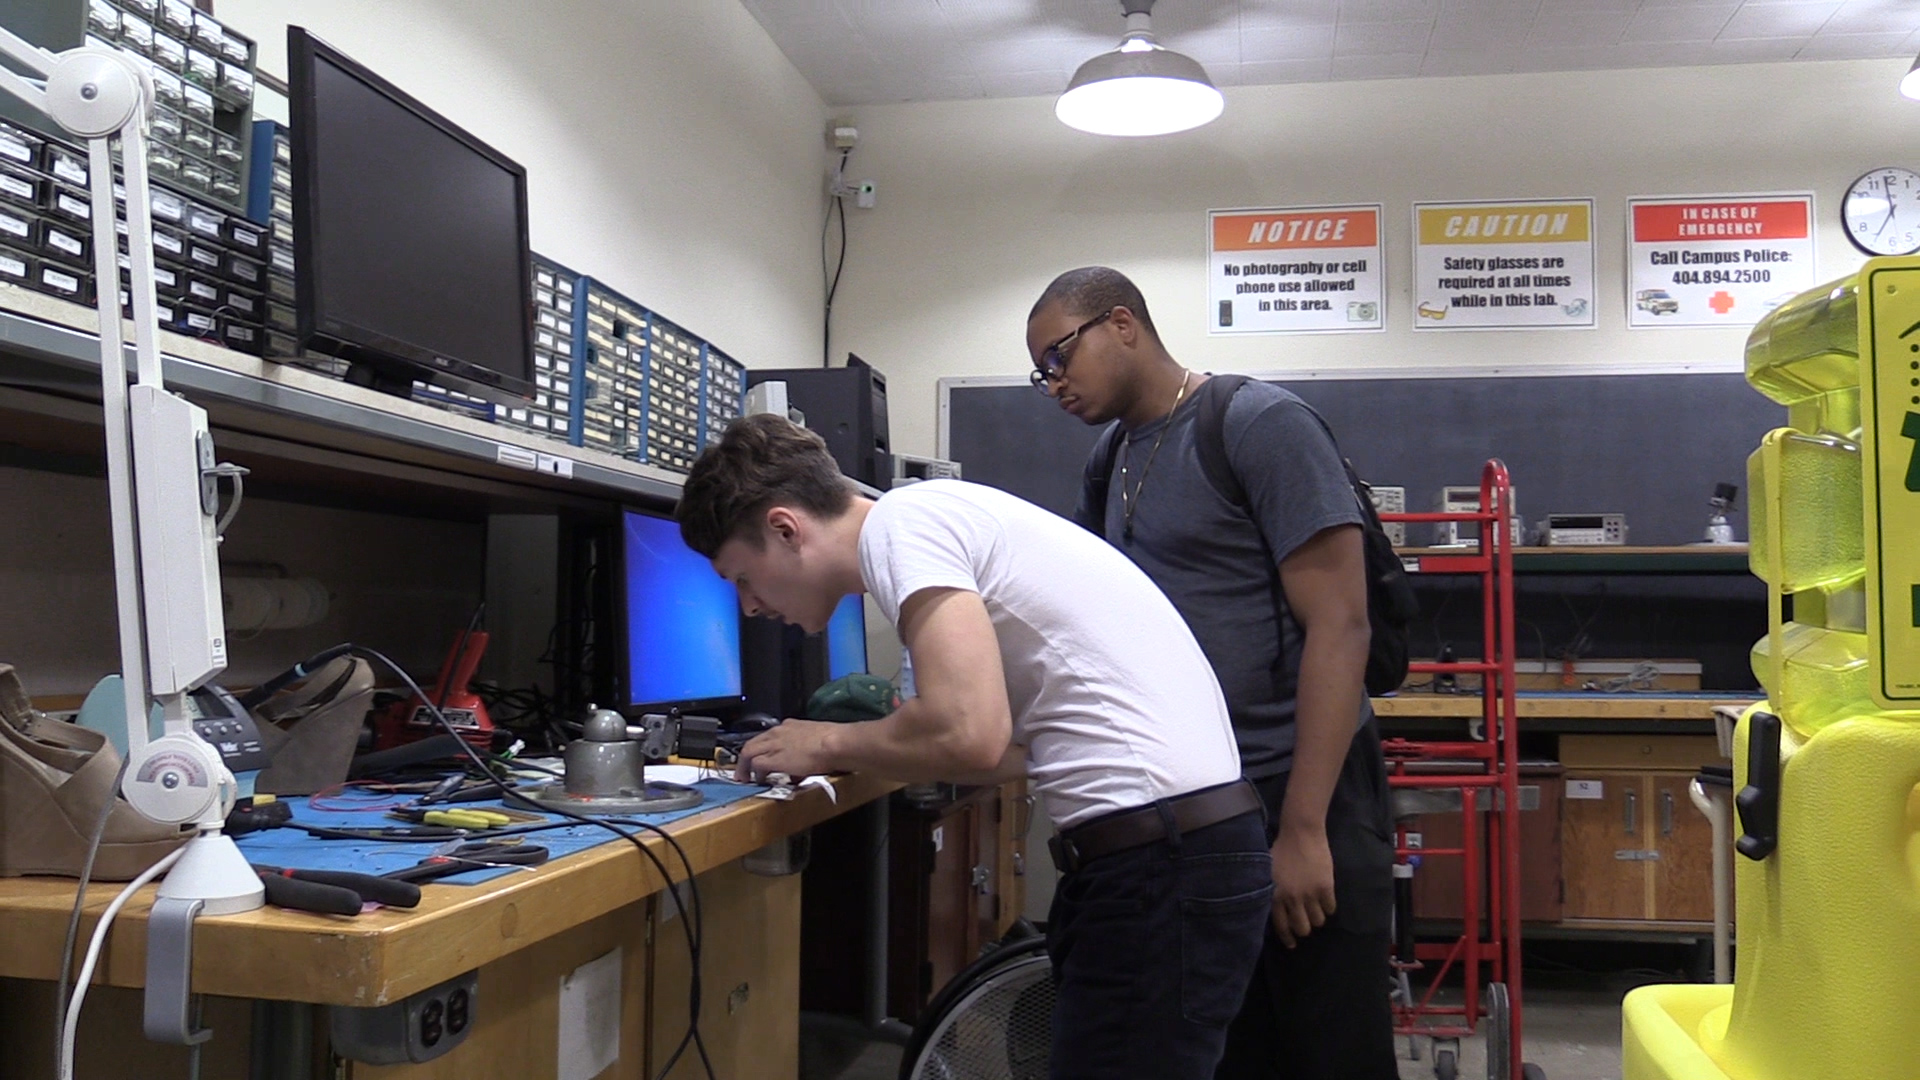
(360, 373)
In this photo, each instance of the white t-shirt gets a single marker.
(1109, 691)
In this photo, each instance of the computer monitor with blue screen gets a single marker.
(847, 638)
(682, 620)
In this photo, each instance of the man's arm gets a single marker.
(1326, 587)
(958, 727)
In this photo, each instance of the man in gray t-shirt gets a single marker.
(1275, 592)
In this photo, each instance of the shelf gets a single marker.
(51, 345)
(1689, 559)
(1624, 706)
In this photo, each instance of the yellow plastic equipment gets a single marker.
(1828, 902)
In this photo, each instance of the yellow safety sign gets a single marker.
(1890, 436)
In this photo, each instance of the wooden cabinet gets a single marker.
(1633, 846)
(1602, 841)
(1016, 815)
(1437, 892)
(956, 880)
(941, 882)
(749, 977)
(1683, 875)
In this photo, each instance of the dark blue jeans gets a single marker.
(1152, 951)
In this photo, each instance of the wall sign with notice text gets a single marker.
(1294, 270)
(1521, 265)
(1716, 260)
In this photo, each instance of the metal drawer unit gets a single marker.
(551, 411)
(203, 84)
(270, 204)
(675, 375)
(723, 395)
(608, 369)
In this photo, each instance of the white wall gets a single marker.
(670, 148)
(981, 203)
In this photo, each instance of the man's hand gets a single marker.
(1302, 883)
(797, 747)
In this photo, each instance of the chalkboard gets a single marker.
(1649, 446)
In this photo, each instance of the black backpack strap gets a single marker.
(1210, 435)
(1099, 478)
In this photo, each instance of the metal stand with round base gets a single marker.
(655, 797)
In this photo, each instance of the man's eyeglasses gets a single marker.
(1053, 359)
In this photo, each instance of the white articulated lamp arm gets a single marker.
(161, 480)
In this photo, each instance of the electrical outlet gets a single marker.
(421, 1028)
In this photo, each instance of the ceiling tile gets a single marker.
(1577, 30)
(1027, 83)
(1033, 54)
(1460, 35)
(1387, 10)
(1562, 58)
(1754, 50)
(1301, 43)
(1208, 46)
(881, 18)
(1830, 46)
(1778, 20)
(1488, 9)
(1376, 39)
(1261, 13)
(1589, 7)
(1275, 72)
(1441, 62)
(1386, 66)
(1700, 22)
(1874, 17)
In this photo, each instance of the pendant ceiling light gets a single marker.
(1139, 88)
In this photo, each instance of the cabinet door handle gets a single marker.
(1633, 812)
(1666, 813)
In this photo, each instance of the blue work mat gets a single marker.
(294, 849)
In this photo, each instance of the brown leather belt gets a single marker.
(1125, 829)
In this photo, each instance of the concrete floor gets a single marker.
(1572, 1034)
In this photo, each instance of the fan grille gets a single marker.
(1000, 1030)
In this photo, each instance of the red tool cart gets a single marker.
(1478, 778)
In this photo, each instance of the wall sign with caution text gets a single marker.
(1890, 415)
(1503, 265)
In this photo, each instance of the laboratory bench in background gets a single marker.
(1611, 844)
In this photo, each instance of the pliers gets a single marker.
(472, 855)
(333, 892)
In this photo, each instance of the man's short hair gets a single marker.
(1090, 290)
(762, 461)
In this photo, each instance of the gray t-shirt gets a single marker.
(1219, 564)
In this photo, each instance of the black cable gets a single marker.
(832, 283)
(694, 933)
(79, 904)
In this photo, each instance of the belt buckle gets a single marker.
(1066, 856)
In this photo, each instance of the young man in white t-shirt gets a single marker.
(1040, 651)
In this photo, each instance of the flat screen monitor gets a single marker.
(682, 620)
(847, 638)
(409, 235)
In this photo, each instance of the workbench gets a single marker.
(266, 971)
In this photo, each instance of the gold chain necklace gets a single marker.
(1130, 501)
